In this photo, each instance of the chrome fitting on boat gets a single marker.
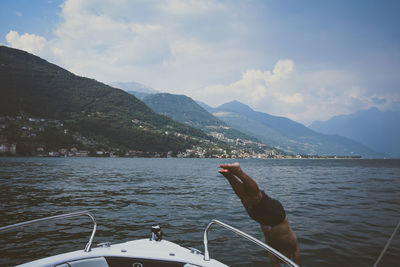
(194, 251)
(105, 244)
(156, 233)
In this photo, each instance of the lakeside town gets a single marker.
(25, 132)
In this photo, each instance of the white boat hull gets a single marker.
(138, 253)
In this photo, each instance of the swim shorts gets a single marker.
(268, 211)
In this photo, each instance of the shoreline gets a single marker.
(271, 158)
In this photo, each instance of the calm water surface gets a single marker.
(343, 211)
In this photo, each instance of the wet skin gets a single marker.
(280, 237)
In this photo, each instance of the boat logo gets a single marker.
(137, 264)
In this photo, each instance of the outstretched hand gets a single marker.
(233, 169)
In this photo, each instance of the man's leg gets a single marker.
(283, 239)
(296, 255)
(274, 260)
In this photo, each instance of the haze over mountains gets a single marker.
(283, 133)
(280, 132)
(288, 135)
(137, 89)
(373, 128)
(31, 86)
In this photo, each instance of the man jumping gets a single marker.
(268, 212)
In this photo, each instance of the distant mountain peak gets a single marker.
(174, 96)
(235, 106)
(286, 134)
(134, 87)
(372, 127)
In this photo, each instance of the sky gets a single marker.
(305, 60)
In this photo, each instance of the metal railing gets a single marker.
(387, 245)
(248, 237)
(57, 217)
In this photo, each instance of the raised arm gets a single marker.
(246, 189)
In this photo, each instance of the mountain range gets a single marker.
(90, 110)
(379, 130)
(185, 110)
(279, 132)
(111, 117)
(288, 135)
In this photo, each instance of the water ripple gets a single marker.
(343, 211)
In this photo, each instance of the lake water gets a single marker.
(342, 211)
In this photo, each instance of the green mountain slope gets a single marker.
(181, 108)
(33, 87)
(185, 110)
(290, 136)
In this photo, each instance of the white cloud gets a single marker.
(187, 7)
(255, 86)
(282, 69)
(28, 42)
(197, 48)
(140, 41)
(301, 96)
(147, 42)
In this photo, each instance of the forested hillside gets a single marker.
(33, 87)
